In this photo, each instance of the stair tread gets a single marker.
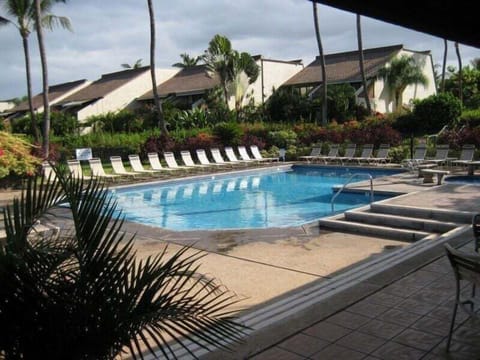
(372, 226)
(402, 217)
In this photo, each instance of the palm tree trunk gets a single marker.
(460, 73)
(158, 105)
(322, 65)
(33, 122)
(444, 65)
(43, 58)
(362, 64)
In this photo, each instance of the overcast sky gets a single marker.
(108, 33)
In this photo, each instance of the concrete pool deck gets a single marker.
(331, 294)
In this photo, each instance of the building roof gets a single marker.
(103, 86)
(188, 81)
(447, 19)
(344, 67)
(54, 92)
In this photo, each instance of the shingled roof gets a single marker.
(192, 80)
(54, 92)
(105, 85)
(344, 67)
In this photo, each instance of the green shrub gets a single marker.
(228, 133)
(15, 156)
(121, 121)
(282, 139)
(470, 118)
(436, 111)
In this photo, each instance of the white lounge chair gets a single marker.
(314, 154)
(418, 157)
(349, 153)
(202, 157)
(119, 169)
(232, 157)
(188, 161)
(155, 163)
(76, 169)
(382, 155)
(218, 158)
(172, 163)
(466, 156)
(97, 169)
(48, 172)
(242, 152)
(258, 156)
(441, 155)
(332, 154)
(137, 166)
(366, 155)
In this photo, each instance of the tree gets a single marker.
(136, 65)
(235, 70)
(158, 105)
(322, 65)
(402, 72)
(82, 294)
(460, 74)
(23, 11)
(444, 65)
(362, 64)
(187, 61)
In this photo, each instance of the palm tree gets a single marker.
(82, 294)
(444, 65)
(402, 72)
(187, 61)
(158, 105)
(23, 11)
(136, 65)
(460, 73)
(322, 65)
(362, 64)
(235, 70)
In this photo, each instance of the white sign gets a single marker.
(83, 154)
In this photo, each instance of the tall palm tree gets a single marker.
(460, 72)
(187, 61)
(83, 294)
(402, 72)
(245, 71)
(23, 13)
(362, 63)
(322, 65)
(158, 105)
(444, 65)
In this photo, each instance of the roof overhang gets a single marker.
(447, 19)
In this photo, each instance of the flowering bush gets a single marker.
(15, 156)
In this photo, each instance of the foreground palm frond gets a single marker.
(83, 294)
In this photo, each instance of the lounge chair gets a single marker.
(441, 155)
(242, 152)
(202, 157)
(232, 157)
(172, 163)
(155, 163)
(188, 161)
(76, 169)
(466, 156)
(97, 170)
(332, 154)
(349, 153)
(382, 155)
(119, 169)
(314, 154)
(258, 156)
(366, 154)
(137, 166)
(418, 157)
(218, 158)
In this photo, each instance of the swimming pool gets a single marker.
(464, 179)
(280, 197)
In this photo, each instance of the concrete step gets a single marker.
(462, 217)
(397, 221)
(374, 230)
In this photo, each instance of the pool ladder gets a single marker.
(332, 202)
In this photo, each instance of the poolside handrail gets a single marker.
(332, 202)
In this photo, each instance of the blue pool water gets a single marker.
(277, 198)
(464, 179)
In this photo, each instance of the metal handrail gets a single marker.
(332, 202)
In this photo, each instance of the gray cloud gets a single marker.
(109, 33)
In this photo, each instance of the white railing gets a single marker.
(332, 202)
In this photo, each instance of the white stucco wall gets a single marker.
(6, 105)
(123, 96)
(384, 100)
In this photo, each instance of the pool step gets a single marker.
(399, 222)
